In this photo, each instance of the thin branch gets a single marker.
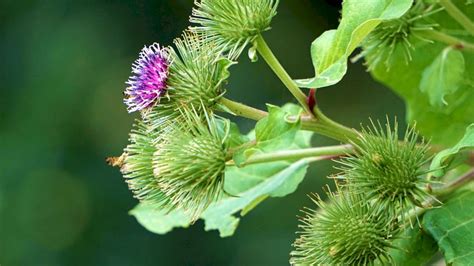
(243, 110)
(440, 194)
(320, 124)
(455, 184)
(447, 39)
(458, 15)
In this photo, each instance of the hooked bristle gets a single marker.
(344, 230)
(387, 169)
(233, 24)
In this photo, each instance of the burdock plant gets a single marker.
(188, 162)
(198, 72)
(137, 166)
(180, 166)
(233, 24)
(346, 230)
(197, 76)
(400, 33)
(388, 170)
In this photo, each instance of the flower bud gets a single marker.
(345, 230)
(233, 24)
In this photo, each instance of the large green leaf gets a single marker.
(272, 133)
(330, 51)
(159, 221)
(413, 247)
(443, 76)
(443, 158)
(221, 215)
(452, 226)
(445, 124)
(231, 132)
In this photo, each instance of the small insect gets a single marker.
(116, 161)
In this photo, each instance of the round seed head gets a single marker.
(137, 167)
(345, 230)
(198, 71)
(386, 169)
(190, 163)
(401, 33)
(232, 24)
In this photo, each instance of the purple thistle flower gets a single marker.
(148, 81)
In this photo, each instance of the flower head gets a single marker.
(397, 35)
(388, 170)
(148, 81)
(137, 166)
(232, 24)
(197, 76)
(198, 71)
(189, 162)
(345, 230)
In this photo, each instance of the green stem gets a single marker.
(330, 128)
(455, 184)
(418, 211)
(320, 124)
(458, 15)
(277, 68)
(243, 110)
(448, 39)
(441, 193)
(284, 155)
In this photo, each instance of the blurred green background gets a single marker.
(63, 68)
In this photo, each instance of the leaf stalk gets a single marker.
(455, 184)
(267, 54)
(284, 155)
(320, 124)
(447, 39)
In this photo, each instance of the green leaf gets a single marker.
(272, 133)
(274, 125)
(231, 132)
(220, 215)
(443, 158)
(159, 221)
(413, 247)
(452, 226)
(443, 76)
(330, 51)
(442, 125)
